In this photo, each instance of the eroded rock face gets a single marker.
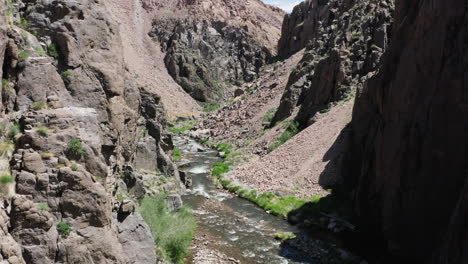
(301, 26)
(407, 162)
(68, 81)
(346, 41)
(213, 45)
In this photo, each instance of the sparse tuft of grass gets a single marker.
(172, 231)
(183, 126)
(224, 147)
(43, 131)
(47, 155)
(177, 154)
(14, 132)
(210, 107)
(24, 23)
(40, 52)
(269, 115)
(39, 106)
(64, 229)
(120, 197)
(43, 207)
(74, 167)
(220, 168)
(23, 55)
(6, 178)
(6, 147)
(290, 132)
(52, 50)
(67, 74)
(75, 147)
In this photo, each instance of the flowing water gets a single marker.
(241, 230)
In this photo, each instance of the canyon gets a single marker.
(230, 131)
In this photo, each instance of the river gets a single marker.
(233, 226)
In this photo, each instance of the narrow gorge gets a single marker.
(233, 131)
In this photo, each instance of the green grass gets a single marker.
(40, 52)
(120, 197)
(6, 178)
(6, 83)
(284, 236)
(67, 74)
(172, 231)
(39, 106)
(14, 131)
(52, 50)
(279, 206)
(74, 167)
(220, 168)
(42, 131)
(24, 23)
(75, 147)
(23, 55)
(269, 115)
(6, 147)
(64, 229)
(290, 132)
(224, 147)
(43, 207)
(183, 126)
(210, 107)
(177, 154)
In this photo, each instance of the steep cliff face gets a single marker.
(212, 46)
(301, 26)
(75, 130)
(408, 156)
(347, 39)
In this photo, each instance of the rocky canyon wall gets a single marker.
(212, 46)
(346, 40)
(80, 139)
(407, 161)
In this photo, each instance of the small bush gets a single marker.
(64, 229)
(52, 50)
(6, 147)
(172, 231)
(290, 132)
(23, 55)
(39, 106)
(74, 167)
(6, 178)
(43, 207)
(43, 131)
(75, 147)
(67, 74)
(177, 155)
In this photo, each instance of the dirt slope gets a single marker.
(304, 164)
(145, 58)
